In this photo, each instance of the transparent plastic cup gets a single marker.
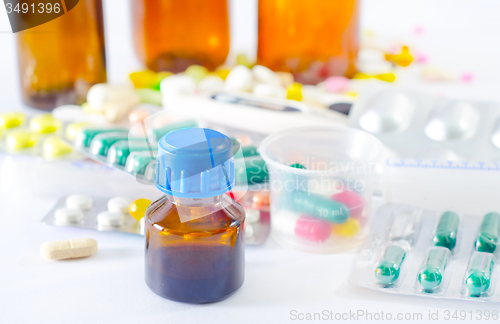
(321, 183)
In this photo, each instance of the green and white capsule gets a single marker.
(388, 269)
(478, 275)
(431, 274)
(446, 231)
(487, 240)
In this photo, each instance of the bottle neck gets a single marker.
(195, 202)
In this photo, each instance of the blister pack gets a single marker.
(443, 254)
(422, 126)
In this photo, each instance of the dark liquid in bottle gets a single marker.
(197, 261)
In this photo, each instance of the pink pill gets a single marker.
(353, 201)
(337, 84)
(312, 229)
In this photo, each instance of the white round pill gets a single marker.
(252, 215)
(249, 231)
(265, 75)
(239, 79)
(112, 219)
(119, 205)
(79, 202)
(68, 215)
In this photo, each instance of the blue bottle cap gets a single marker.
(194, 163)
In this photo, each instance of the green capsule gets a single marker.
(298, 166)
(138, 161)
(85, 136)
(101, 143)
(318, 206)
(487, 239)
(120, 151)
(255, 171)
(387, 270)
(430, 275)
(249, 151)
(446, 231)
(478, 275)
(158, 133)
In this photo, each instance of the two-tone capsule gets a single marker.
(478, 275)
(431, 273)
(446, 230)
(318, 206)
(388, 269)
(489, 232)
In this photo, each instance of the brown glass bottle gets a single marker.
(198, 260)
(61, 59)
(313, 39)
(170, 35)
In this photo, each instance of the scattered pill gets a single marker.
(348, 229)
(252, 215)
(294, 91)
(402, 59)
(55, 147)
(387, 270)
(102, 142)
(318, 206)
(119, 205)
(308, 228)
(387, 77)
(177, 84)
(489, 233)
(286, 78)
(120, 151)
(101, 95)
(223, 73)
(249, 231)
(239, 79)
(269, 90)
(446, 230)
(118, 109)
(19, 139)
(353, 201)
(197, 72)
(81, 202)
(261, 199)
(264, 75)
(69, 249)
(12, 119)
(138, 161)
(143, 79)
(68, 215)
(431, 274)
(337, 84)
(45, 124)
(478, 275)
(137, 208)
(110, 219)
(211, 83)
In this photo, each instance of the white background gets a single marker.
(458, 35)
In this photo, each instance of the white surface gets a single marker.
(109, 287)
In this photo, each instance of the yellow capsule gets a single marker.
(137, 208)
(387, 77)
(196, 72)
(73, 129)
(351, 94)
(361, 76)
(242, 59)
(12, 119)
(223, 73)
(143, 79)
(20, 139)
(348, 229)
(54, 147)
(45, 124)
(294, 92)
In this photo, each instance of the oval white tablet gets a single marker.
(119, 205)
(252, 215)
(112, 219)
(79, 202)
(69, 249)
(68, 215)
